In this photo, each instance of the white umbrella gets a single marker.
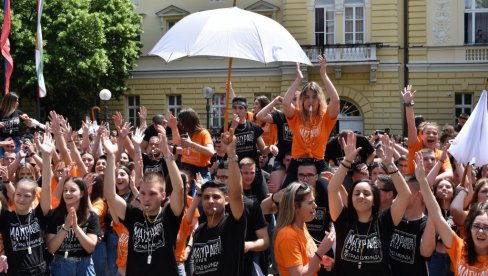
(230, 32)
(233, 33)
(469, 145)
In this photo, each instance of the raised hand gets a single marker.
(125, 129)
(109, 147)
(142, 113)
(299, 74)
(419, 166)
(323, 64)
(172, 121)
(278, 100)
(388, 149)
(47, 145)
(408, 94)
(137, 136)
(118, 119)
(350, 149)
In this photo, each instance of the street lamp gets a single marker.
(207, 94)
(105, 96)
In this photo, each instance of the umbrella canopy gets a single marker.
(230, 32)
(471, 141)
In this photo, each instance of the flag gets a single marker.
(39, 52)
(5, 44)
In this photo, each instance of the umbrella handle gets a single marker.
(95, 108)
(227, 96)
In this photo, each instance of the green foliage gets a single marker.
(88, 45)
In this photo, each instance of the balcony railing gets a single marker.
(477, 54)
(343, 52)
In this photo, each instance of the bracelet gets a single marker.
(393, 172)
(6, 181)
(345, 166)
(62, 227)
(233, 158)
(462, 189)
(169, 157)
(272, 199)
(409, 104)
(318, 256)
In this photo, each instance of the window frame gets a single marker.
(173, 105)
(462, 107)
(470, 26)
(354, 20)
(325, 9)
(133, 106)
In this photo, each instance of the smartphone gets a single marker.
(184, 135)
(379, 132)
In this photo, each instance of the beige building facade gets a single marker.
(374, 47)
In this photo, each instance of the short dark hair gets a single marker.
(239, 101)
(215, 184)
(388, 183)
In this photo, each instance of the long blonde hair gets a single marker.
(293, 196)
(315, 87)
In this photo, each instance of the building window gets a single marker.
(174, 104)
(133, 103)
(354, 23)
(463, 103)
(324, 26)
(475, 21)
(217, 111)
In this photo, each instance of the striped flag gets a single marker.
(5, 44)
(39, 54)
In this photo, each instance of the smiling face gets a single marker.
(306, 209)
(444, 190)
(100, 166)
(483, 193)
(122, 182)
(479, 232)
(23, 197)
(362, 197)
(72, 194)
(430, 136)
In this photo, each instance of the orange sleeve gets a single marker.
(289, 251)
(411, 154)
(193, 157)
(100, 207)
(123, 244)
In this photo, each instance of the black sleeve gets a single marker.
(258, 131)
(93, 224)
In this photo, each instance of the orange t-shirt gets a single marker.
(458, 259)
(290, 249)
(310, 138)
(418, 146)
(123, 244)
(193, 157)
(270, 132)
(100, 207)
(184, 232)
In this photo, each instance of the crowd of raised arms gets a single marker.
(277, 194)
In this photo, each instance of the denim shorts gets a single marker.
(72, 266)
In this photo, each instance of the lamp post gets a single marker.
(207, 94)
(105, 96)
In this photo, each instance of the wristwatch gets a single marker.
(390, 168)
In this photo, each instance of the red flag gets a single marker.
(5, 44)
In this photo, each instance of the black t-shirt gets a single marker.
(322, 220)
(255, 221)
(220, 250)
(11, 125)
(285, 137)
(405, 258)
(70, 242)
(335, 153)
(158, 165)
(247, 135)
(159, 239)
(370, 247)
(18, 235)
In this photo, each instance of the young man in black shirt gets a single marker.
(152, 230)
(218, 244)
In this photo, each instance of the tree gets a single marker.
(88, 45)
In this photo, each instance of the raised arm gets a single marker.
(235, 179)
(428, 242)
(433, 208)
(459, 202)
(400, 203)
(334, 189)
(116, 204)
(177, 202)
(73, 150)
(46, 148)
(288, 104)
(407, 95)
(58, 137)
(334, 101)
(142, 118)
(265, 113)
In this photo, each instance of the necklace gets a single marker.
(362, 244)
(150, 246)
(29, 248)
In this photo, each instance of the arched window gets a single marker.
(350, 117)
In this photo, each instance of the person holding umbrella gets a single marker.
(311, 120)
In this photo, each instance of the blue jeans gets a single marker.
(112, 241)
(440, 265)
(100, 258)
(181, 269)
(72, 266)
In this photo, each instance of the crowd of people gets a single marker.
(279, 193)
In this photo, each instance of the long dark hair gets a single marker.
(7, 106)
(97, 188)
(469, 250)
(83, 210)
(189, 121)
(375, 209)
